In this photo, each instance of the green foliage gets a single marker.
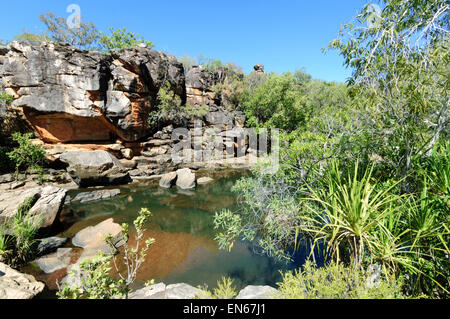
(224, 290)
(96, 282)
(406, 101)
(335, 281)
(168, 107)
(17, 236)
(6, 98)
(122, 39)
(32, 38)
(188, 62)
(278, 102)
(85, 37)
(347, 212)
(27, 155)
(208, 64)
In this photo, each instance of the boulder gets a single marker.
(259, 68)
(49, 205)
(185, 179)
(182, 291)
(168, 180)
(257, 292)
(46, 203)
(92, 239)
(96, 195)
(56, 261)
(15, 285)
(98, 168)
(157, 291)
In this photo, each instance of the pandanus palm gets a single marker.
(344, 214)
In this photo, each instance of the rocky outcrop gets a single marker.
(94, 168)
(259, 68)
(46, 204)
(15, 285)
(69, 95)
(161, 291)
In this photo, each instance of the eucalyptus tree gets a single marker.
(399, 55)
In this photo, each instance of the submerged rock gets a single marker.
(205, 180)
(92, 238)
(56, 261)
(96, 195)
(15, 285)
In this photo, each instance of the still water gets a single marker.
(182, 225)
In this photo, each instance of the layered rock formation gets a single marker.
(84, 101)
(71, 95)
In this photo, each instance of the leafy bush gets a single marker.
(224, 290)
(85, 37)
(27, 155)
(95, 281)
(122, 39)
(335, 281)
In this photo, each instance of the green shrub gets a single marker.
(96, 282)
(122, 39)
(18, 236)
(224, 290)
(27, 155)
(335, 281)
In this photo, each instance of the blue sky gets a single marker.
(283, 35)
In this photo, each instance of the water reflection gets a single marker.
(182, 224)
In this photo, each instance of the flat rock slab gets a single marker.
(96, 195)
(15, 285)
(56, 261)
(97, 168)
(257, 292)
